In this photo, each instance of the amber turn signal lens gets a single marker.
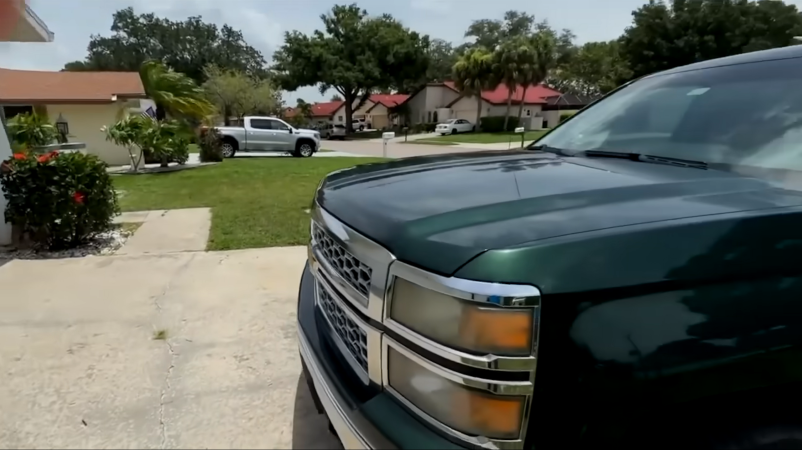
(497, 416)
(499, 329)
(470, 411)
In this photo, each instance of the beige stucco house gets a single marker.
(375, 110)
(29, 28)
(86, 100)
(437, 102)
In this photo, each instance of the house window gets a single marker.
(339, 118)
(11, 111)
(528, 112)
(429, 116)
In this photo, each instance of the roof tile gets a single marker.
(40, 87)
(534, 94)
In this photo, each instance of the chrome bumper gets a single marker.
(353, 429)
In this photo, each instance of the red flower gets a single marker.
(47, 156)
(20, 156)
(78, 197)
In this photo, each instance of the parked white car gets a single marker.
(333, 132)
(454, 126)
(360, 124)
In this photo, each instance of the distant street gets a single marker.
(400, 150)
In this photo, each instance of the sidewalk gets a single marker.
(167, 231)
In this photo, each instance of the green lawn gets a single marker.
(484, 138)
(256, 202)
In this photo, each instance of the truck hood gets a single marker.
(306, 132)
(440, 212)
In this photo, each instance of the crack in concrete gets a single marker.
(173, 354)
(167, 388)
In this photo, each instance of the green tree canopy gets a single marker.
(186, 47)
(474, 73)
(354, 54)
(667, 35)
(594, 68)
(236, 94)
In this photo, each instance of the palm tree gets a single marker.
(509, 61)
(174, 93)
(473, 73)
(536, 63)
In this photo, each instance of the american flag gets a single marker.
(149, 113)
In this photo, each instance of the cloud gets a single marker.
(433, 6)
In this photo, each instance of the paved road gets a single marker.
(395, 150)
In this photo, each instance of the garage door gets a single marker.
(467, 114)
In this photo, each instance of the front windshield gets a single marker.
(745, 117)
(450, 121)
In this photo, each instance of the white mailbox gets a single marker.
(519, 130)
(388, 135)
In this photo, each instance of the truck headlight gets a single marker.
(463, 325)
(471, 411)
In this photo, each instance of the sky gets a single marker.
(264, 22)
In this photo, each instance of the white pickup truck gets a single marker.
(269, 134)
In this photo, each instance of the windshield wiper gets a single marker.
(623, 155)
(550, 149)
(644, 158)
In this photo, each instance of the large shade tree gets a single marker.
(679, 32)
(236, 94)
(186, 46)
(595, 68)
(473, 73)
(354, 54)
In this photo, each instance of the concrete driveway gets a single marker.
(83, 365)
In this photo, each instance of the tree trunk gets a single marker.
(349, 111)
(509, 108)
(521, 108)
(227, 115)
(165, 161)
(478, 111)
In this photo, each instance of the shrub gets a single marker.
(495, 124)
(211, 145)
(158, 141)
(31, 130)
(565, 115)
(60, 200)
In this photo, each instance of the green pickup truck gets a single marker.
(630, 280)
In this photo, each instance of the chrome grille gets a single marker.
(353, 271)
(354, 337)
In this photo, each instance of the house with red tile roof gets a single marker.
(322, 113)
(375, 111)
(86, 100)
(437, 102)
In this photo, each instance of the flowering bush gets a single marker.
(59, 200)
